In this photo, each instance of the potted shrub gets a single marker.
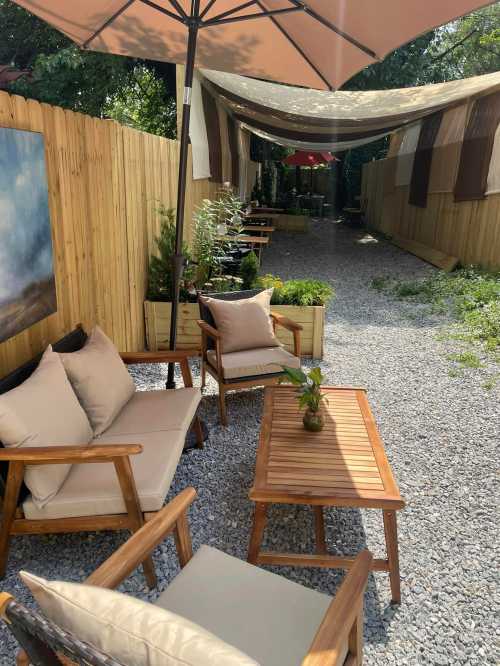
(309, 395)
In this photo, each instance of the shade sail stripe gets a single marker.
(419, 184)
(477, 148)
(213, 134)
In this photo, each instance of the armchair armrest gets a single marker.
(280, 320)
(208, 330)
(342, 625)
(178, 356)
(287, 323)
(53, 455)
(172, 517)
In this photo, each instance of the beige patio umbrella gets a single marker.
(311, 43)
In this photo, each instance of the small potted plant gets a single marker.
(309, 395)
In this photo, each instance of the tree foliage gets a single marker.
(132, 91)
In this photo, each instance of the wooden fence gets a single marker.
(105, 181)
(468, 230)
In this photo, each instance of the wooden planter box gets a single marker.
(299, 223)
(157, 316)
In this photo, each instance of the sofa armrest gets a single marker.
(173, 517)
(342, 625)
(178, 356)
(157, 356)
(53, 455)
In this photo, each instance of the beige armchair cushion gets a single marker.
(245, 323)
(129, 630)
(100, 379)
(44, 411)
(268, 617)
(254, 362)
(159, 420)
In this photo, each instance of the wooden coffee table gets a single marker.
(344, 465)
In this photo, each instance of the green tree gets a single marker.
(135, 92)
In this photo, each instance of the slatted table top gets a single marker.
(260, 229)
(241, 238)
(343, 465)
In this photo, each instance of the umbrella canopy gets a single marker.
(308, 159)
(313, 43)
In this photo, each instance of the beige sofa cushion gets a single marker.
(150, 419)
(271, 619)
(44, 411)
(132, 631)
(245, 323)
(100, 379)
(254, 362)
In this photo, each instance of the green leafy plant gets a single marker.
(304, 292)
(214, 219)
(160, 276)
(309, 386)
(470, 294)
(249, 270)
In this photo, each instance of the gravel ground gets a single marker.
(441, 434)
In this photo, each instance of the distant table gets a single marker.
(260, 216)
(343, 465)
(256, 242)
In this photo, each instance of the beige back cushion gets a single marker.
(44, 411)
(128, 629)
(245, 323)
(100, 380)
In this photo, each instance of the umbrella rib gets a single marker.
(234, 10)
(247, 17)
(179, 8)
(333, 27)
(153, 5)
(299, 49)
(208, 7)
(107, 23)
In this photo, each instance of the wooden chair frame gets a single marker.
(209, 332)
(13, 520)
(340, 629)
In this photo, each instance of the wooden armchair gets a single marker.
(241, 370)
(118, 455)
(336, 640)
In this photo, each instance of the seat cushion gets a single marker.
(93, 489)
(271, 619)
(129, 630)
(252, 362)
(150, 411)
(100, 379)
(44, 411)
(244, 323)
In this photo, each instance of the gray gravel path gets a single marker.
(441, 434)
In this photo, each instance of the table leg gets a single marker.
(391, 541)
(319, 529)
(259, 523)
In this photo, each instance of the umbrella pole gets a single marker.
(178, 258)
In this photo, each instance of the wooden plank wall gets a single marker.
(469, 230)
(105, 181)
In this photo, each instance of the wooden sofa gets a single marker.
(120, 479)
(272, 620)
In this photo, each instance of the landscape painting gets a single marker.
(27, 285)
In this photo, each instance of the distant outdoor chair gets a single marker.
(243, 369)
(253, 616)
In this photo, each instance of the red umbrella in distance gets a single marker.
(310, 159)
